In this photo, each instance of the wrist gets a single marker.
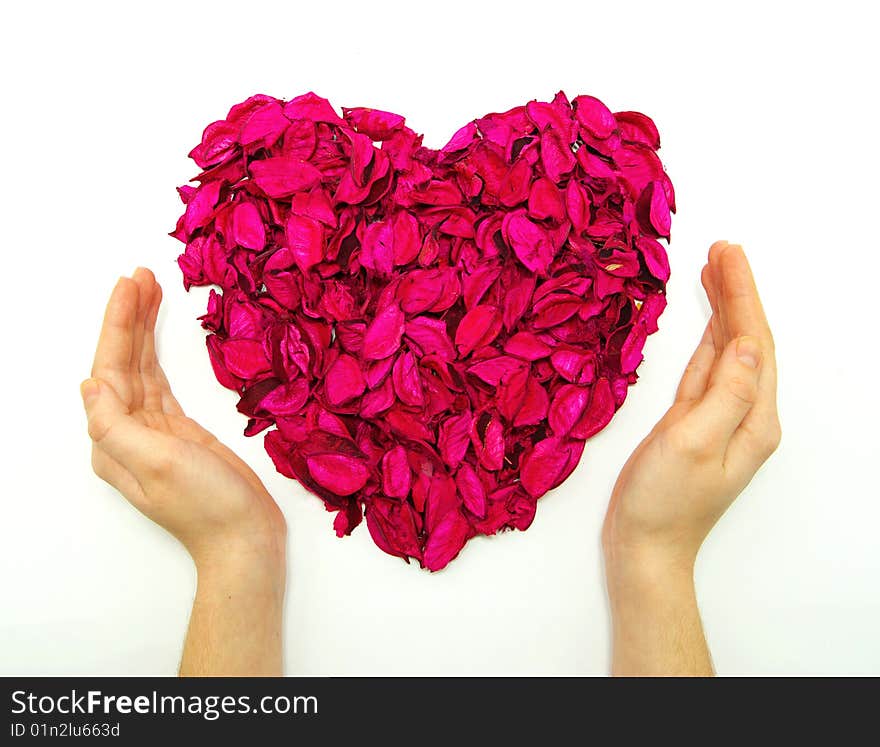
(244, 564)
(237, 618)
(639, 567)
(634, 548)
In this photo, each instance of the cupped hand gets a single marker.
(722, 427)
(168, 466)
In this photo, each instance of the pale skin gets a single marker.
(721, 428)
(676, 485)
(180, 476)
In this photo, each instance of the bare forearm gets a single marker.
(655, 620)
(236, 621)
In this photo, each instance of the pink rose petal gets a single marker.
(383, 336)
(340, 474)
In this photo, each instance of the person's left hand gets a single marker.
(722, 427)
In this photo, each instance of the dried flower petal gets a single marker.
(282, 176)
(374, 123)
(383, 336)
(396, 474)
(545, 201)
(377, 400)
(344, 380)
(407, 382)
(576, 366)
(594, 116)
(305, 238)
(631, 351)
(543, 465)
(454, 438)
(446, 540)
(429, 336)
(635, 127)
(392, 525)
(526, 345)
(200, 207)
(598, 413)
(487, 437)
(472, 492)
(530, 242)
(534, 406)
(479, 327)
(340, 474)
(494, 369)
(567, 407)
(247, 227)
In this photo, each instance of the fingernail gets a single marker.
(89, 390)
(748, 351)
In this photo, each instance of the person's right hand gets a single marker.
(164, 463)
(720, 430)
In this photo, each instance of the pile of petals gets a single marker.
(430, 335)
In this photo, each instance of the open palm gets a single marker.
(164, 463)
(722, 427)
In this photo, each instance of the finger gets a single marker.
(715, 319)
(170, 405)
(760, 432)
(139, 449)
(731, 394)
(148, 349)
(153, 385)
(739, 297)
(752, 444)
(716, 252)
(156, 387)
(146, 288)
(696, 375)
(113, 353)
(746, 317)
(709, 287)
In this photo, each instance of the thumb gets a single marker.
(732, 391)
(112, 428)
(103, 407)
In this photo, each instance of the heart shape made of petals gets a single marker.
(430, 336)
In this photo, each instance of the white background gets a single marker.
(769, 121)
